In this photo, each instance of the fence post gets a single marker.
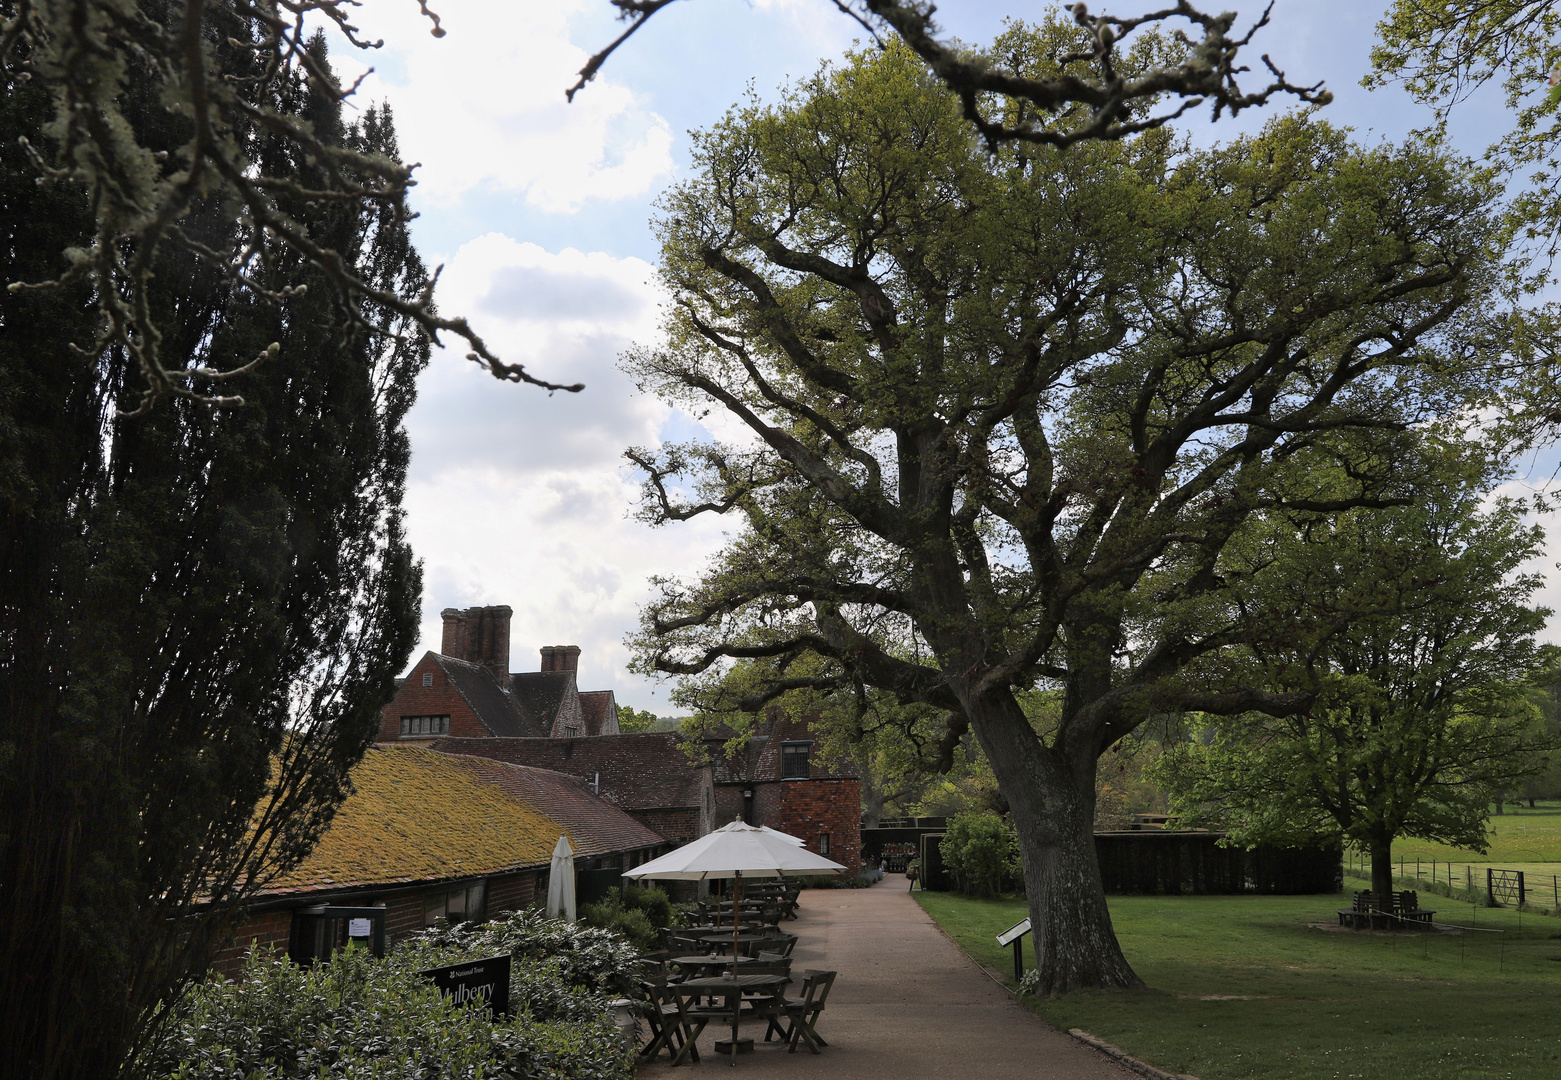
(1490, 893)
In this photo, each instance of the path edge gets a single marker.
(1094, 1042)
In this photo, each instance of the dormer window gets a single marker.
(428, 678)
(414, 726)
(794, 760)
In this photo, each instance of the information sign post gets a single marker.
(1012, 936)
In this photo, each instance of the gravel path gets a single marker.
(907, 1005)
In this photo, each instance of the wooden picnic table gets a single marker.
(731, 991)
(705, 960)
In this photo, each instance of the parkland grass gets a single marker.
(1520, 835)
(1266, 987)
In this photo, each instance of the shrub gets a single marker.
(981, 852)
(654, 902)
(360, 1018)
(631, 924)
(587, 958)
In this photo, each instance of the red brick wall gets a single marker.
(440, 699)
(511, 893)
(679, 826)
(267, 930)
(810, 808)
(728, 804)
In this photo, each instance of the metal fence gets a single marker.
(1497, 886)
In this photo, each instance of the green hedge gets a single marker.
(360, 1018)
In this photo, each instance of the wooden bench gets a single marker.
(1390, 912)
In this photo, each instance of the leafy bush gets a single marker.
(981, 852)
(587, 957)
(654, 902)
(357, 1017)
(610, 914)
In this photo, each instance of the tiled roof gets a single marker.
(415, 815)
(496, 707)
(594, 825)
(646, 771)
(598, 707)
(538, 696)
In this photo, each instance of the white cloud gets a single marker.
(483, 107)
(520, 498)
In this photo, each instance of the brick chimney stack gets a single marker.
(560, 658)
(479, 635)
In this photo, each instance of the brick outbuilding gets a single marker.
(426, 835)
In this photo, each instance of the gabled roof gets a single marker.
(495, 707)
(415, 815)
(645, 771)
(594, 825)
(538, 696)
(599, 709)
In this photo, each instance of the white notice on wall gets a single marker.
(358, 928)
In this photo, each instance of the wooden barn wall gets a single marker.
(1193, 863)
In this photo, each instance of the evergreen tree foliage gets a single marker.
(202, 611)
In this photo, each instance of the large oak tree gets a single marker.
(995, 417)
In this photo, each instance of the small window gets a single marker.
(457, 905)
(794, 760)
(428, 678)
(415, 726)
(823, 843)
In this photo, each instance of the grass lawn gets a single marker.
(1518, 836)
(1243, 986)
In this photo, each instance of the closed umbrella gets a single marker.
(561, 881)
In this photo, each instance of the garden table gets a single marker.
(731, 991)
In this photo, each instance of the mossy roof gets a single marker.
(416, 815)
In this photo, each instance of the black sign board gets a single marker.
(476, 982)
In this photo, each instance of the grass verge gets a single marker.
(1250, 986)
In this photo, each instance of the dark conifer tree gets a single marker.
(202, 610)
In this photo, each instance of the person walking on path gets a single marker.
(906, 1002)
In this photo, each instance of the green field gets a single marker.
(1256, 987)
(1520, 835)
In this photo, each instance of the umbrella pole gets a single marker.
(737, 899)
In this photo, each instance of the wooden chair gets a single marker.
(669, 1023)
(804, 1012)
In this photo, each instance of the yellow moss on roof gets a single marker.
(416, 815)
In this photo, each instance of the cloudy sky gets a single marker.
(538, 210)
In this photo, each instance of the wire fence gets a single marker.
(1488, 885)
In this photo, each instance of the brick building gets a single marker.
(426, 835)
(778, 780)
(466, 689)
(648, 775)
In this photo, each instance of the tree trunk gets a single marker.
(1382, 869)
(1052, 803)
(872, 800)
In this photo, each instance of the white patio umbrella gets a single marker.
(737, 851)
(786, 836)
(561, 881)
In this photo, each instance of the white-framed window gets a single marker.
(413, 726)
(428, 678)
(458, 905)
